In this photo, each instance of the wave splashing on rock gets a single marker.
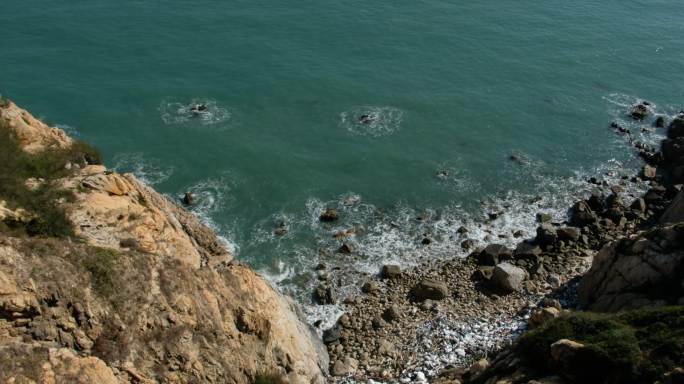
(200, 110)
(372, 120)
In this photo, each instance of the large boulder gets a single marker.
(645, 271)
(492, 254)
(546, 234)
(675, 212)
(676, 128)
(582, 214)
(508, 278)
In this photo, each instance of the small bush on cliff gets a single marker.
(633, 347)
(16, 166)
(101, 263)
(269, 378)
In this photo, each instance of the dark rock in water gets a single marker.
(426, 241)
(280, 231)
(507, 277)
(519, 233)
(467, 244)
(390, 271)
(660, 122)
(370, 287)
(516, 158)
(333, 334)
(676, 128)
(492, 254)
(543, 217)
(546, 234)
(569, 233)
(329, 215)
(188, 198)
(323, 295)
(443, 174)
(640, 111)
(430, 289)
(346, 248)
(462, 230)
(367, 118)
(198, 108)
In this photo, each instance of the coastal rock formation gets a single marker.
(645, 271)
(143, 293)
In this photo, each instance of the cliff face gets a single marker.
(142, 293)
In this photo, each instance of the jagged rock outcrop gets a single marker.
(144, 293)
(643, 271)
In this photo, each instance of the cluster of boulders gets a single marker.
(377, 337)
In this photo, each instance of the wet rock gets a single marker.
(543, 217)
(526, 250)
(426, 241)
(370, 287)
(280, 231)
(507, 277)
(569, 233)
(188, 198)
(640, 111)
(492, 254)
(659, 122)
(345, 248)
(639, 205)
(468, 244)
(390, 271)
(323, 295)
(430, 289)
(329, 215)
(546, 234)
(462, 230)
(649, 172)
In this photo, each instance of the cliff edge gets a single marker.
(104, 280)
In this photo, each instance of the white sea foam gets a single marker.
(174, 111)
(148, 170)
(379, 121)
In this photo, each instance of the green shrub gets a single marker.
(16, 166)
(268, 378)
(101, 263)
(632, 347)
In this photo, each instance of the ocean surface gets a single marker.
(453, 88)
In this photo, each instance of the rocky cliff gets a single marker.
(135, 290)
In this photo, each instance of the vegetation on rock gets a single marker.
(631, 347)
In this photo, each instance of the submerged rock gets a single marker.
(640, 111)
(329, 215)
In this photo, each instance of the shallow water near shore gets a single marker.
(454, 90)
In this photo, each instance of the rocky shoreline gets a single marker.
(433, 321)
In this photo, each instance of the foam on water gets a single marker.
(180, 112)
(380, 121)
(148, 170)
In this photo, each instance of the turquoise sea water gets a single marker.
(455, 86)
